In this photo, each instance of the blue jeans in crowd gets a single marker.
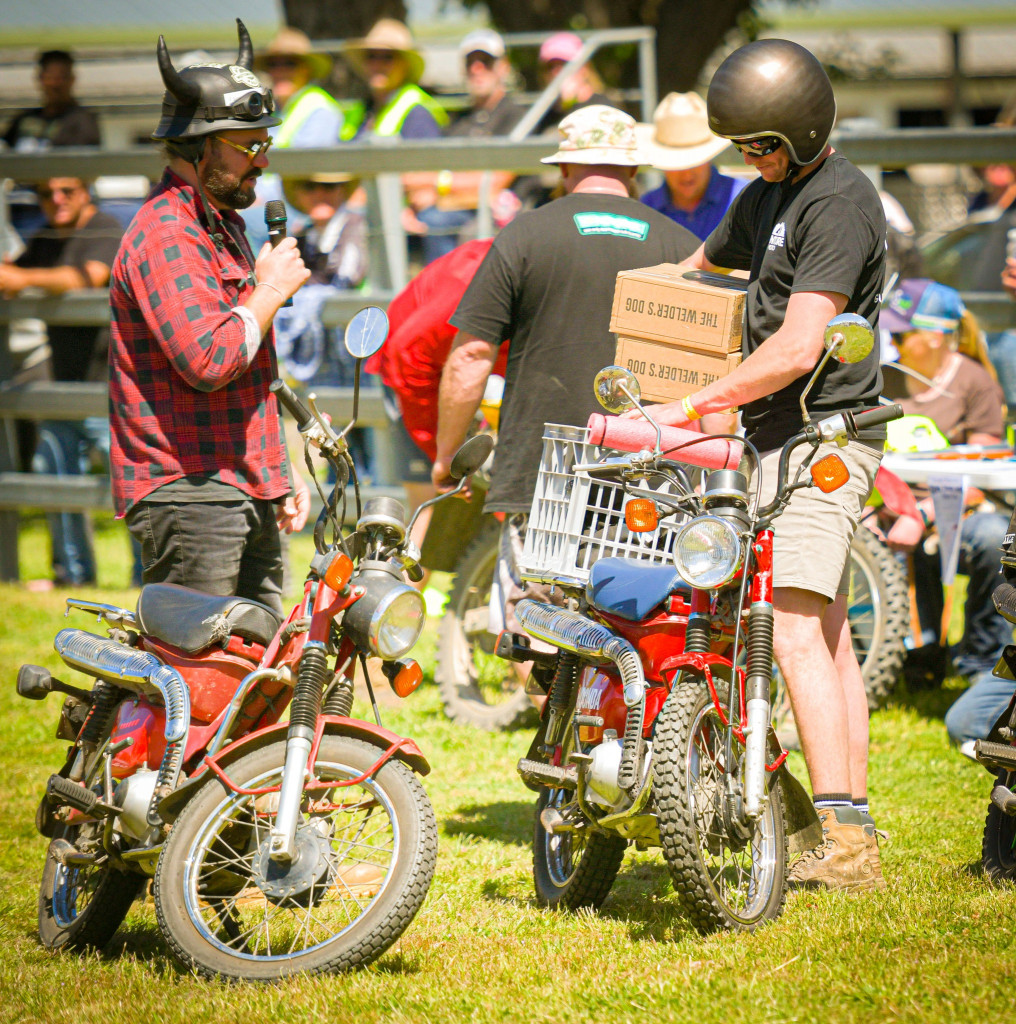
(63, 449)
(975, 712)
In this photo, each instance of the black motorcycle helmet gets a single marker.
(207, 98)
(773, 87)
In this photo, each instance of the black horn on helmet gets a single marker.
(205, 98)
(773, 87)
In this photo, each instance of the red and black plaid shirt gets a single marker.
(183, 399)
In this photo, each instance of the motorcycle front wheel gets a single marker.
(725, 877)
(365, 860)
(998, 844)
(477, 687)
(572, 869)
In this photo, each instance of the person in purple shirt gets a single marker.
(679, 143)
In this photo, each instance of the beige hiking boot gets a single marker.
(844, 859)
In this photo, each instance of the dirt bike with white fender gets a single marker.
(275, 848)
(657, 661)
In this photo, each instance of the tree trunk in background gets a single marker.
(340, 19)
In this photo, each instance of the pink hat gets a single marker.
(560, 46)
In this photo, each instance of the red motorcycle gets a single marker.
(275, 848)
(656, 729)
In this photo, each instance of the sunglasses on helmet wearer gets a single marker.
(257, 148)
(488, 60)
(758, 147)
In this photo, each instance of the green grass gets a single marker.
(938, 945)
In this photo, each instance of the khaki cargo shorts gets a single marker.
(811, 545)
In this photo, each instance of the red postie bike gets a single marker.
(275, 847)
(656, 729)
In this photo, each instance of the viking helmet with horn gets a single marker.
(208, 97)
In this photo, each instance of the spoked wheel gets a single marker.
(726, 876)
(998, 844)
(477, 687)
(572, 869)
(81, 906)
(365, 860)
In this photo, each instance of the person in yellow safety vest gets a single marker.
(310, 116)
(389, 63)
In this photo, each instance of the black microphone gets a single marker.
(275, 221)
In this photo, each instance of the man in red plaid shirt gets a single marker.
(198, 455)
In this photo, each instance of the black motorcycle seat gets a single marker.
(192, 620)
(631, 590)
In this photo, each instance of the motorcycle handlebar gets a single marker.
(284, 393)
(635, 435)
(873, 417)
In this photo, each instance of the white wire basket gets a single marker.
(576, 520)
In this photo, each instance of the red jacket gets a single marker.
(421, 338)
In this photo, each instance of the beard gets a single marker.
(236, 192)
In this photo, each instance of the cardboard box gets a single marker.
(666, 372)
(661, 304)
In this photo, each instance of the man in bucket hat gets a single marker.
(679, 143)
(547, 284)
(199, 464)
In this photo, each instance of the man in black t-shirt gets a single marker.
(811, 232)
(74, 250)
(548, 284)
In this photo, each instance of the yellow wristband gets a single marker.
(444, 182)
(689, 409)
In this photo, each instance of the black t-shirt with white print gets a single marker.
(548, 285)
(826, 233)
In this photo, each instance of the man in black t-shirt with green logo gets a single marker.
(548, 285)
(811, 232)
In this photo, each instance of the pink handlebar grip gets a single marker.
(634, 435)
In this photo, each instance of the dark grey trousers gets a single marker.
(223, 547)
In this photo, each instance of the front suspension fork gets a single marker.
(303, 718)
(758, 679)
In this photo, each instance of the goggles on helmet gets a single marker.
(249, 107)
(758, 147)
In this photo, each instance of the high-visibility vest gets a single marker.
(301, 106)
(393, 114)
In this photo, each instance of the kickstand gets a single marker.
(370, 690)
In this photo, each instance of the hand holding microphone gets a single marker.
(279, 266)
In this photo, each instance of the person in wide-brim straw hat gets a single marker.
(597, 134)
(292, 45)
(387, 34)
(679, 143)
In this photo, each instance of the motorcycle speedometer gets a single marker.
(708, 552)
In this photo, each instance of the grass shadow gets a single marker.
(506, 821)
(929, 704)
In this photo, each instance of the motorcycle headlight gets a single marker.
(388, 619)
(707, 552)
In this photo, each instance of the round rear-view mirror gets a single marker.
(471, 456)
(849, 338)
(366, 332)
(610, 386)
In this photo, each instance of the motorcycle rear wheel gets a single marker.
(82, 907)
(476, 686)
(572, 869)
(722, 882)
(366, 859)
(998, 844)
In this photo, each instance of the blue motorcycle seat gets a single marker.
(631, 590)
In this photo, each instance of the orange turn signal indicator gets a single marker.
(340, 570)
(830, 473)
(641, 515)
(407, 678)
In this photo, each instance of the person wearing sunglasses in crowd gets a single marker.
(388, 61)
(811, 232)
(445, 204)
(74, 249)
(199, 465)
